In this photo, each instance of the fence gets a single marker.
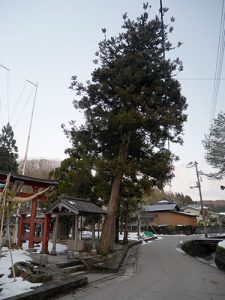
(178, 229)
(210, 229)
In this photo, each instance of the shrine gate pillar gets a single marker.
(33, 219)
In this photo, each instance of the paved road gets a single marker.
(162, 273)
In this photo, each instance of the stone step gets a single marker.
(78, 273)
(73, 269)
(62, 265)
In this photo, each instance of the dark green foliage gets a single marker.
(181, 199)
(132, 107)
(175, 229)
(129, 102)
(197, 248)
(220, 258)
(214, 145)
(76, 179)
(8, 150)
(157, 195)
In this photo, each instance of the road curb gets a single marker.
(53, 289)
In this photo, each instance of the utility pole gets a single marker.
(198, 185)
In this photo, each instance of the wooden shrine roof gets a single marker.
(74, 205)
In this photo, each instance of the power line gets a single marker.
(1, 111)
(219, 63)
(18, 100)
(198, 78)
(7, 91)
(25, 105)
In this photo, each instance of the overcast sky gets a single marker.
(48, 41)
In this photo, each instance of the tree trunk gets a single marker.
(125, 237)
(109, 228)
(117, 224)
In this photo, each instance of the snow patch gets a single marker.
(222, 244)
(8, 285)
(180, 250)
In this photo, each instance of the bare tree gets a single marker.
(39, 167)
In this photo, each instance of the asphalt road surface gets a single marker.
(162, 272)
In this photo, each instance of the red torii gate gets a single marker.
(16, 184)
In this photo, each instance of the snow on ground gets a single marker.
(11, 288)
(222, 244)
(132, 236)
(60, 248)
(8, 285)
(180, 250)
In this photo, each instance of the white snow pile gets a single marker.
(8, 285)
(222, 244)
(133, 236)
(60, 248)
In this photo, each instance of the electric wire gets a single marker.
(206, 183)
(25, 105)
(18, 101)
(1, 111)
(1, 107)
(219, 63)
(7, 93)
(0, 104)
(215, 188)
(197, 78)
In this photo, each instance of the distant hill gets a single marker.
(214, 205)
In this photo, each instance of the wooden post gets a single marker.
(81, 227)
(21, 231)
(76, 232)
(93, 250)
(73, 227)
(55, 235)
(46, 233)
(125, 238)
(33, 220)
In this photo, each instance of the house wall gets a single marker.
(195, 212)
(171, 218)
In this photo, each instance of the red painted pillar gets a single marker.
(33, 220)
(45, 235)
(21, 231)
